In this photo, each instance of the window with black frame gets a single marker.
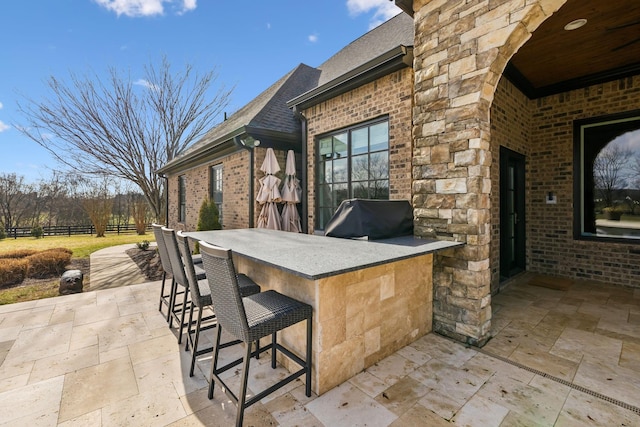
(215, 188)
(607, 177)
(182, 198)
(352, 163)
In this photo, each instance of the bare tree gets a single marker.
(609, 171)
(16, 198)
(52, 193)
(139, 208)
(122, 127)
(97, 201)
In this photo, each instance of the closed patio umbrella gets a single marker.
(291, 195)
(269, 193)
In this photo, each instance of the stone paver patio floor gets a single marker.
(108, 358)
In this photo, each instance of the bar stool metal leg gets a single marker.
(248, 319)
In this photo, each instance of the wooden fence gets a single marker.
(69, 230)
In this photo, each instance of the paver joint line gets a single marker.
(577, 387)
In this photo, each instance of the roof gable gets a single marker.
(382, 50)
(395, 32)
(268, 112)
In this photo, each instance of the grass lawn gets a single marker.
(29, 292)
(82, 246)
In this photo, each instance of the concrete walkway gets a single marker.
(112, 267)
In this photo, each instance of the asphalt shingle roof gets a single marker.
(393, 33)
(269, 111)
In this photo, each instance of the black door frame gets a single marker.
(512, 244)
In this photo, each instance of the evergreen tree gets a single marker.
(209, 217)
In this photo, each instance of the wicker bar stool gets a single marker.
(201, 300)
(177, 310)
(248, 319)
(165, 298)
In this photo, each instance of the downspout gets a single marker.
(238, 142)
(303, 174)
(166, 196)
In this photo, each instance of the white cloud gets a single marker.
(3, 126)
(145, 83)
(383, 10)
(136, 8)
(188, 5)
(1, 105)
(313, 38)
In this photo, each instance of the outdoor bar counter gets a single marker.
(370, 298)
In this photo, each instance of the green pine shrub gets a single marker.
(37, 232)
(208, 219)
(209, 216)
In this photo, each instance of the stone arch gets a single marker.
(461, 50)
(531, 19)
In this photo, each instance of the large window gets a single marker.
(182, 199)
(607, 177)
(215, 188)
(352, 163)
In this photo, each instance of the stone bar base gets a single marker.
(360, 317)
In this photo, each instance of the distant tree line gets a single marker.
(66, 199)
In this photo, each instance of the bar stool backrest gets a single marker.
(162, 248)
(225, 292)
(185, 251)
(177, 267)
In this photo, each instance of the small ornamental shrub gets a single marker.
(3, 234)
(20, 264)
(37, 232)
(209, 216)
(208, 219)
(144, 245)
(47, 263)
(65, 250)
(19, 253)
(13, 271)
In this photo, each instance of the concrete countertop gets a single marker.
(315, 257)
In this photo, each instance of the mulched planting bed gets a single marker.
(148, 262)
(81, 264)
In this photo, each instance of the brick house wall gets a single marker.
(235, 191)
(510, 128)
(550, 227)
(197, 189)
(542, 130)
(390, 95)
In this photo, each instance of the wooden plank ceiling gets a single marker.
(555, 60)
(607, 47)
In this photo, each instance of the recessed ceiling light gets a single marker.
(574, 25)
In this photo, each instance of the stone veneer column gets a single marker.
(461, 49)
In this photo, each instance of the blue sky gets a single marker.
(251, 44)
